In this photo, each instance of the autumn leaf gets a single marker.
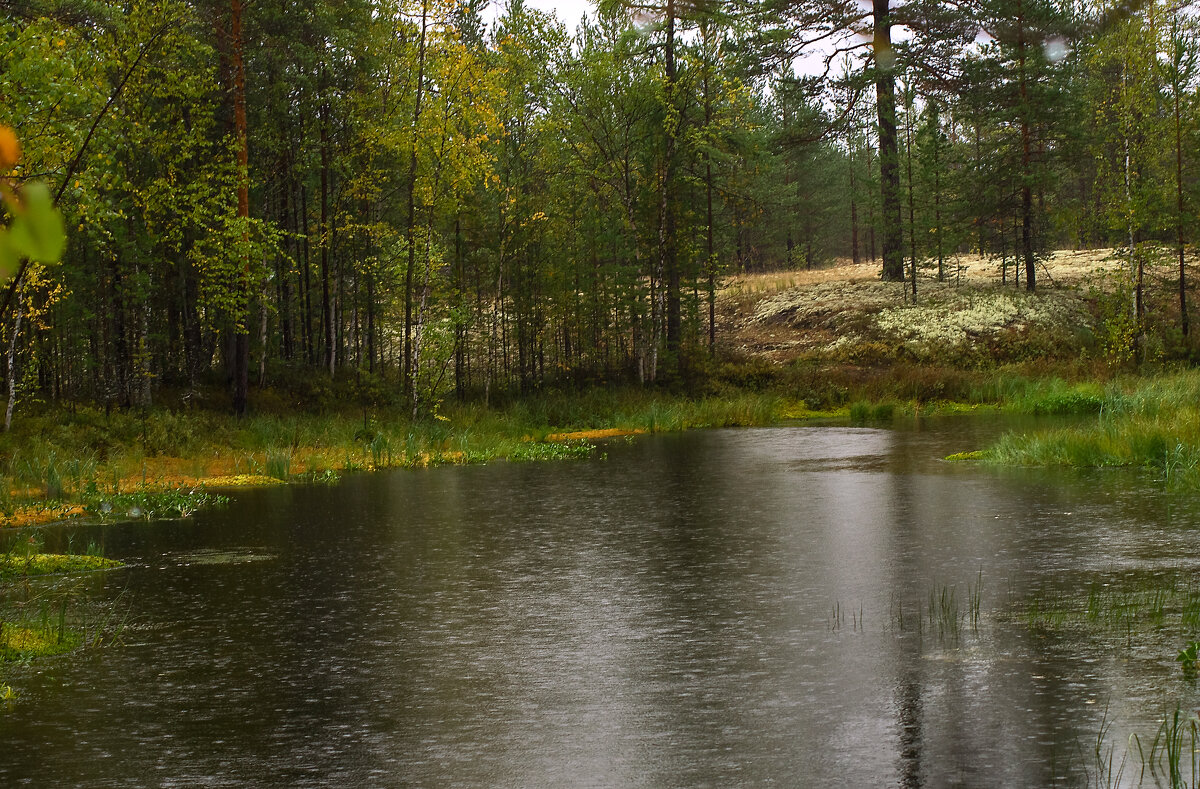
(10, 148)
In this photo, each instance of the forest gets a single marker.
(407, 198)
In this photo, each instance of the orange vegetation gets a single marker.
(587, 435)
(38, 514)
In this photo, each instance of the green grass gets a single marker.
(1151, 423)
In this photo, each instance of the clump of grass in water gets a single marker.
(1176, 736)
(318, 476)
(554, 450)
(1190, 611)
(974, 600)
(1067, 403)
(1125, 607)
(1103, 754)
(943, 611)
(21, 640)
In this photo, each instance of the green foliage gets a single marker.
(441, 210)
(552, 450)
(36, 231)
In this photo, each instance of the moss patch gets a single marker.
(21, 643)
(960, 456)
(241, 481)
(50, 563)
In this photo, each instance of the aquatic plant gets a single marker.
(1071, 402)
(554, 450)
(943, 611)
(13, 565)
(836, 617)
(325, 476)
(149, 503)
(1177, 735)
(974, 600)
(24, 642)
(1103, 754)
(1188, 657)
(860, 412)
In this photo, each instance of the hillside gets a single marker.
(846, 314)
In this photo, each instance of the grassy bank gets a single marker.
(163, 463)
(1147, 422)
(61, 464)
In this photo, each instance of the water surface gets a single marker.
(718, 608)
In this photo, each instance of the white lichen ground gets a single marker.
(847, 313)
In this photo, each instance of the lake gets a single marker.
(795, 606)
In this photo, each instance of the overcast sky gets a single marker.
(569, 11)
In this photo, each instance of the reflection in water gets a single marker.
(721, 608)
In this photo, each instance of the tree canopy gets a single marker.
(400, 192)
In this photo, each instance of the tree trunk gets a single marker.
(667, 241)
(1179, 218)
(241, 356)
(889, 161)
(326, 301)
(12, 367)
(1026, 158)
(909, 109)
(710, 258)
(853, 205)
(410, 234)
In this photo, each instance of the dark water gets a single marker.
(712, 609)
